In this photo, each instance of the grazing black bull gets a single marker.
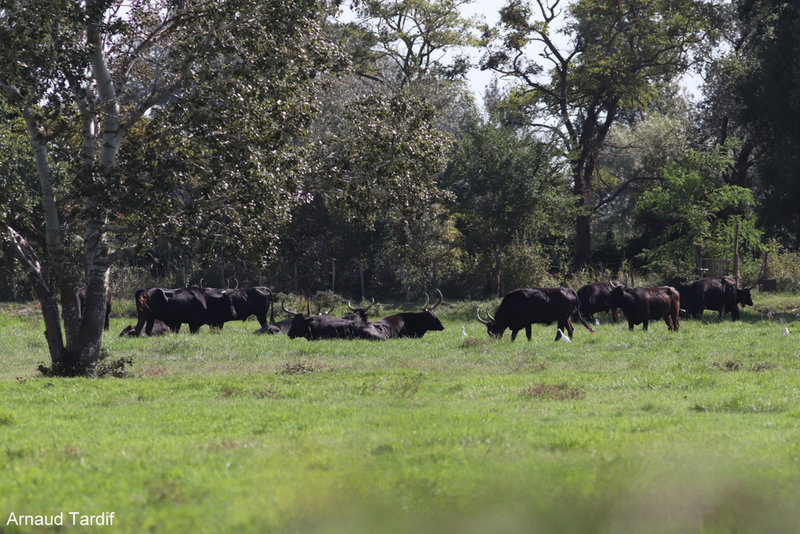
(194, 306)
(643, 304)
(598, 297)
(744, 297)
(522, 307)
(719, 294)
(80, 299)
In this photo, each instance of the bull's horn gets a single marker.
(351, 306)
(283, 305)
(489, 315)
(481, 320)
(441, 298)
(427, 300)
(371, 305)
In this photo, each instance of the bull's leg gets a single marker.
(570, 328)
(614, 314)
(630, 325)
(528, 332)
(735, 312)
(644, 325)
(668, 320)
(194, 328)
(140, 323)
(514, 334)
(148, 328)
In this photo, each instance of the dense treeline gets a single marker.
(308, 150)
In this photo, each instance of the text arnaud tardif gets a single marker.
(74, 519)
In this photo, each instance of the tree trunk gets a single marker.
(583, 222)
(97, 275)
(498, 271)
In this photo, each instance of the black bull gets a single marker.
(245, 302)
(522, 307)
(643, 304)
(598, 297)
(719, 294)
(159, 328)
(406, 324)
(193, 306)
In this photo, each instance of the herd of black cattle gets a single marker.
(164, 310)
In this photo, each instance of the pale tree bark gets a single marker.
(76, 349)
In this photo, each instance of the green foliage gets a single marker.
(690, 206)
(769, 92)
(509, 195)
(412, 38)
(384, 159)
(617, 55)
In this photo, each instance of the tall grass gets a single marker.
(618, 431)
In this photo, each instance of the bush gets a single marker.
(526, 265)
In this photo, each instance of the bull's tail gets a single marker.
(577, 313)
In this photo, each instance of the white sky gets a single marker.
(478, 79)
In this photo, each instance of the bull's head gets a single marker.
(491, 325)
(744, 297)
(358, 313)
(428, 299)
(299, 326)
(433, 322)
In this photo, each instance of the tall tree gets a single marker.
(412, 39)
(508, 191)
(770, 92)
(577, 69)
(692, 205)
(143, 117)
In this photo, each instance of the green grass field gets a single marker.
(694, 431)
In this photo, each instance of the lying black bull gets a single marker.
(522, 307)
(407, 324)
(159, 329)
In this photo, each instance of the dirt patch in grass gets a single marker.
(728, 365)
(553, 392)
(302, 367)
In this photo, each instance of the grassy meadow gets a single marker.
(618, 431)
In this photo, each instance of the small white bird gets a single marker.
(797, 315)
(564, 336)
(785, 330)
(596, 321)
(463, 332)
(770, 314)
